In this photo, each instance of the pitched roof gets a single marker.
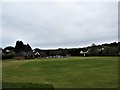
(25, 53)
(21, 54)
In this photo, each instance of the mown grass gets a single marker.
(71, 72)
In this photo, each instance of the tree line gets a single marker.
(111, 49)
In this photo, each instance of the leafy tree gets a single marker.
(8, 56)
(37, 50)
(64, 52)
(21, 47)
(10, 48)
(27, 48)
(93, 51)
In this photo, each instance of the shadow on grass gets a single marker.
(26, 86)
(37, 86)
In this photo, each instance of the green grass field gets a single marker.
(71, 72)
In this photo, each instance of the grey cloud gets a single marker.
(52, 25)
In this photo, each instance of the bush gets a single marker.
(8, 56)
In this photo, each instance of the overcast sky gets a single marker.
(59, 24)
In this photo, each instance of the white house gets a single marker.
(84, 52)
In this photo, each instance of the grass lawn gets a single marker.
(71, 72)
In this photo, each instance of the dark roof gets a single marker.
(30, 53)
(25, 53)
(21, 54)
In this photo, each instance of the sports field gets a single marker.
(70, 72)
